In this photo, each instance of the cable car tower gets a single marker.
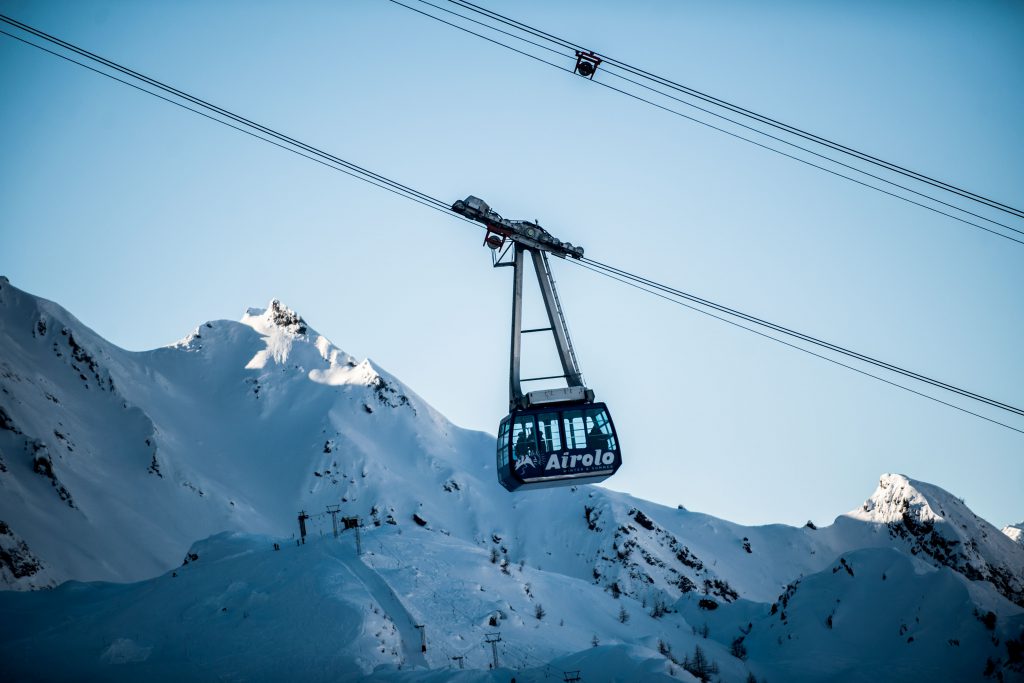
(551, 437)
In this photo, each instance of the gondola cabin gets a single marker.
(557, 445)
(557, 436)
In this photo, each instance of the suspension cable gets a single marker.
(269, 135)
(654, 292)
(801, 336)
(466, 4)
(221, 111)
(732, 121)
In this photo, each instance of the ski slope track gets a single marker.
(148, 531)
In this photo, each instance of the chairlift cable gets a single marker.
(238, 128)
(486, 25)
(819, 155)
(742, 125)
(441, 206)
(806, 337)
(480, 35)
(827, 170)
(653, 292)
(214, 108)
(745, 112)
(735, 122)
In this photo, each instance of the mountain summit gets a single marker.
(939, 526)
(112, 463)
(276, 314)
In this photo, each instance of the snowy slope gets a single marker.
(241, 592)
(1015, 532)
(879, 613)
(112, 464)
(115, 462)
(240, 425)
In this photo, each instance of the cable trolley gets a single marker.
(551, 437)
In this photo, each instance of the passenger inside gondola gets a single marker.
(521, 445)
(596, 438)
(550, 432)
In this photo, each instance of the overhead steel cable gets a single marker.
(336, 163)
(480, 35)
(240, 129)
(823, 168)
(637, 285)
(920, 177)
(741, 125)
(805, 337)
(219, 110)
(822, 156)
(794, 130)
(485, 25)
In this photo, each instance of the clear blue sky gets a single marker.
(145, 220)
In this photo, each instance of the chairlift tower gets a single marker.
(493, 639)
(354, 523)
(333, 511)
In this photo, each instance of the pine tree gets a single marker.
(699, 665)
(623, 614)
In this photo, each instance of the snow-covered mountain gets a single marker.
(117, 466)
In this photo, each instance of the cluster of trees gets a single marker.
(696, 664)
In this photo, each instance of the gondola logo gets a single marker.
(524, 461)
(568, 462)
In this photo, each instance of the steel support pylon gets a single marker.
(556, 321)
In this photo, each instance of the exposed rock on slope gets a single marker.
(942, 529)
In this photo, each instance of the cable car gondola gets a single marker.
(551, 437)
(557, 445)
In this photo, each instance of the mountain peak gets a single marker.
(940, 526)
(1015, 532)
(897, 496)
(289, 338)
(275, 315)
(907, 505)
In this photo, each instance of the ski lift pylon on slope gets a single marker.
(551, 437)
